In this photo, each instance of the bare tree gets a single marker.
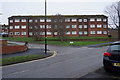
(59, 25)
(113, 13)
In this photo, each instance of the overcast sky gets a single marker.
(36, 7)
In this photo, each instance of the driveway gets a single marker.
(70, 62)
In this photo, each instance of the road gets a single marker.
(70, 62)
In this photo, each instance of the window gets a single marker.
(99, 32)
(17, 33)
(48, 20)
(11, 21)
(104, 20)
(104, 26)
(68, 32)
(105, 32)
(85, 26)
(42, 26)
(85, 20)
(30, 33)
(42, 33)
(35, 33)
(48, 33)
(80, 33)
(92, 19)
(74, 26)
(30, 27)
(11, 33)
(30, 20)
(36, 21)
(85, 32)
(92, 26)
(74, 32)
(92, 32)
(17, 20)
(99, 26)
(67, 20)
(23, 27)
(48, 26)
(23, 20)
(35, 27)
(17, 27)
(80, 20)
(11, 27)
(98, 19)
(23, 33)
(74, 20)
(42, 20)
(80, 26)
(68, 26)
(55, 33)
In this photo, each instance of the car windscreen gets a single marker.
(115, 47)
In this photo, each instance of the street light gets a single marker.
(45, 28)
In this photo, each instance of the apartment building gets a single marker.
(80, 25)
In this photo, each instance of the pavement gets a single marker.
(100, 73)
(70, 62)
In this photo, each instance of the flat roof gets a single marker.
(35, 16)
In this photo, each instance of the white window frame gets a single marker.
(11, 21)
(42, 26)
(80, 32)
(85, 20)
(30, 20)
(55, 33)
(99, 26)
(42, 33)
(11, 27)
(74, 20)
(104, 26)
(74, 26)
(99, 32)
(104, 20)
(85, 32)
(49, 33)
(23, 20)
(85, 26)
(35, 20)
(17, 27)
(92, 32)
(92, 26)
(67, 20)
(30, 33)
(80, 20)
(99, 19)
(17, 20)
(16, 33)
(23, 33)
(23, 26)
(42, 20)
(80, 26)
(68, 33)
(74, 32)
(48, 26)
(92, 19)
(104, 32)
(68, 26)
(48, 20)
(11, 34)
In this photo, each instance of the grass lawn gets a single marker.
(17, 59)
(76, 43)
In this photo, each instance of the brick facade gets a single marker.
(99, 21)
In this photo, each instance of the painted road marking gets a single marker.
(18, 72)
(55, 53)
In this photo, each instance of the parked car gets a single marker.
(111, 59)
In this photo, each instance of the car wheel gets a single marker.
(106, 69)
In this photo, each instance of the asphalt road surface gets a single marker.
(70, 62)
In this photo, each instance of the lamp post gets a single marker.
(45, 29)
